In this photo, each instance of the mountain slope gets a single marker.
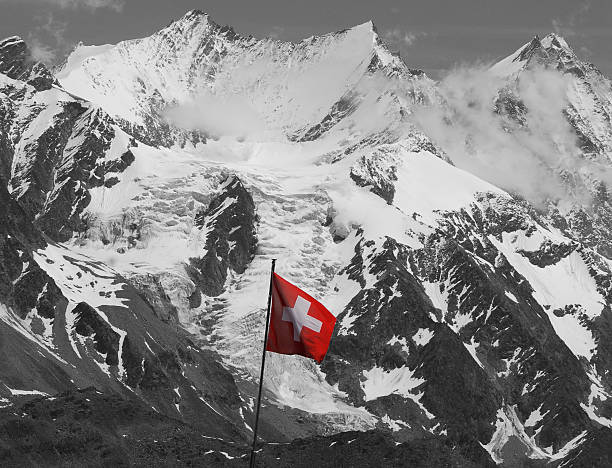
(89, 325)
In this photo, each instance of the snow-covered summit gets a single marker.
(551, 51)
(586, 92)
(288, 86)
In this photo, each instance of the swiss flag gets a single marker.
(298, 323)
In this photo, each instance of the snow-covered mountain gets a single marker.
(588, 91)
(148, 184)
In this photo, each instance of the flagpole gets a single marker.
(263, 365)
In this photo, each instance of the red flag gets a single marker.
(298, 323)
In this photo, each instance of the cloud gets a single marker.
(567, 26)
(47, 42)
(54, 28)
(400, 37)
(116, 5)
(528, 158)
(216, 116)
(41, 52)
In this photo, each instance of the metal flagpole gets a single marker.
(263, 364)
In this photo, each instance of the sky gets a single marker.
(433, 35)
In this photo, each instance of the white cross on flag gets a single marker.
(298, 323)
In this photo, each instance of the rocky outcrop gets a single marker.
(151, 291)
(376, 171)
(229, 222)
(392, 329)
(54, 170)
(89, 427)
(54, 147)
(339, 110)
(34, 168)
(6, 147)
(594, 450)
(17, 63)
(89, 324)
(24, 286)
(157, 132)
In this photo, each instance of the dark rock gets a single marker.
(16, 63)
(375, 172)
(90, 428)
(340, 110)
(152, 292)
(548, 253)
(372, 448)
(595, 451)
(230, 221)
(396, 306)
(93, 133)
(14, 58)
(33, 176)
(90, 324)
(23, 285)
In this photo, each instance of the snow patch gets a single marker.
(422, 336)
(380, 382)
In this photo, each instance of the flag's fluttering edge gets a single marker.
(299, 324)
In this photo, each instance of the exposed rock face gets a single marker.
(53, 147)
(89, 324)
(16, 63)
(409, 341)
(587, 89)
(391, 332)
(593, 451)
(378, 173)
(527, 338)
(229, 223)
(156, 131)
(151, 290)
(23, 285)
(13, 57)
(54, 170)
(6, 149)
(341, 109)
(84, 165)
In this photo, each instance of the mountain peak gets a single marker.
(363, 29)
(11, 40)
(552, 51)
(193, 18)
(555, 40)
(367, 26)
(195, 14)
(13, 56)
(17, 63)
(528, 50)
